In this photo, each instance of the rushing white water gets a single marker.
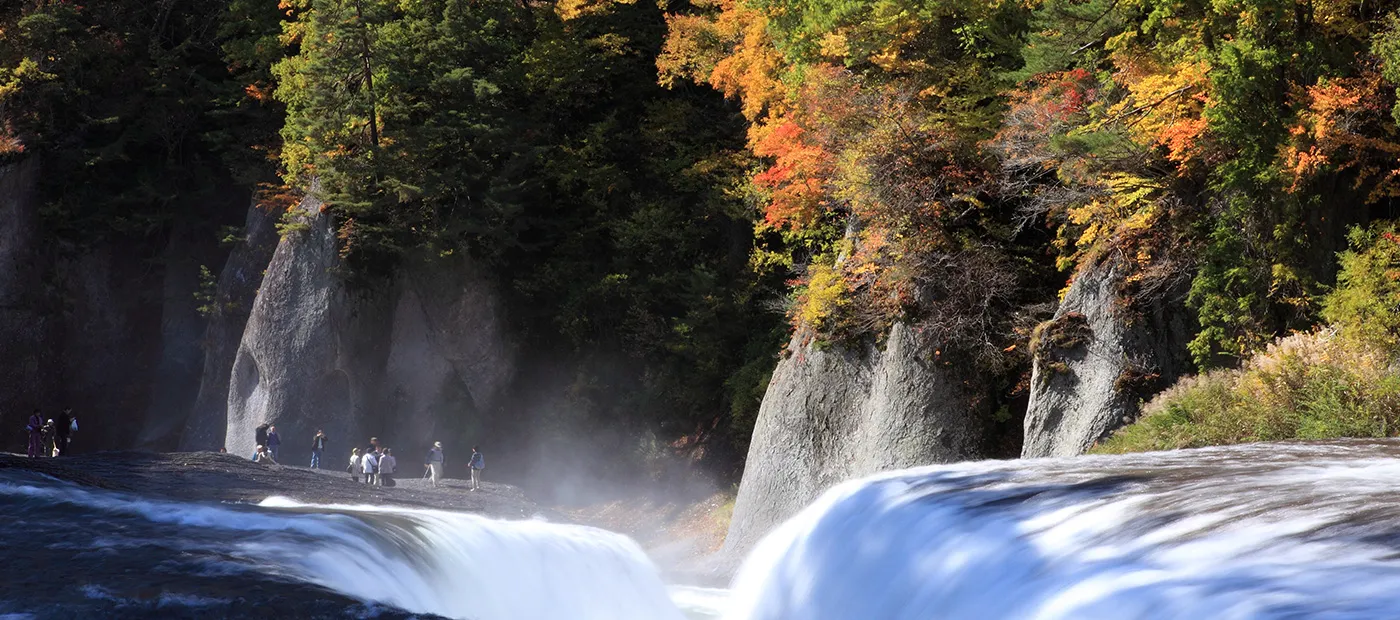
(422, 561)
(1264, 531)
(465, 566)
(1305, 531)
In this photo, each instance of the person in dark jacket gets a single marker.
(35, 427)
(63, 429)
(260, 437)
(478, 463)
(318, 445)
(274, 442)
(50, 436)
(434, 462)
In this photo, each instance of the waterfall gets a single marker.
(422, 561)
(465, 566)
(1261, 531)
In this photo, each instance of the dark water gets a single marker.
(81, 553)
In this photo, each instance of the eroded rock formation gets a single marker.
(228, 314)
(413, 359)
(106, 323)
(1101, 354)
(831, 414)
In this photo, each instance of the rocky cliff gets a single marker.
(1103, 352)
(106, 323)
(26, 327)
(228, 314)
(412, 360)
(831, 414)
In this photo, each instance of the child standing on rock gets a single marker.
(354, 467)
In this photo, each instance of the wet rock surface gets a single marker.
(227, 478)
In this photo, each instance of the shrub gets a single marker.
(1307, 386)
(1365, 305)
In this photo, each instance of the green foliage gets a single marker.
(1365, 304)
(118, 98)
(544, 148)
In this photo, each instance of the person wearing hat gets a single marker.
(434, 462)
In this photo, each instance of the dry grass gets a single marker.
(1307, 386)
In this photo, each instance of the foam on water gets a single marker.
(422, 561)
(1269, 531)
(466, 566)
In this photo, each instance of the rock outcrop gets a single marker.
(834, 414)
(1099, 357)
(228, 314)
(411, 360)
(104, 323)
(26, 327)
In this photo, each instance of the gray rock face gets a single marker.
(25, 328)
(175, 382)
(1098, 358)
(106, 325)
(236, 290)
(413, 360)
(832, 415)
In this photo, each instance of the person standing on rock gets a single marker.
(260, 437)
(35, 427)
(274, 441)
(50, 436)
(369, 464)
(354, 467)
(434, 462)
(318, 444)
(478, 463)
(63, 428)
(387, 466)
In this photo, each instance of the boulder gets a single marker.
(832, 414)
(1099, 357)
(416, 358)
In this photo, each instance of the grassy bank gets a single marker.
(1307, 386)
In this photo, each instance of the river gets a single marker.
(1257, 531)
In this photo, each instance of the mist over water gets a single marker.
(1264, 531)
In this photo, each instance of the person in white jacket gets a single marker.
(387, 466)
(370, 465)
(354, 467)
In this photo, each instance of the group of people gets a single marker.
(377, 464)
(50, 437)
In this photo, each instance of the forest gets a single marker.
(690, 183)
